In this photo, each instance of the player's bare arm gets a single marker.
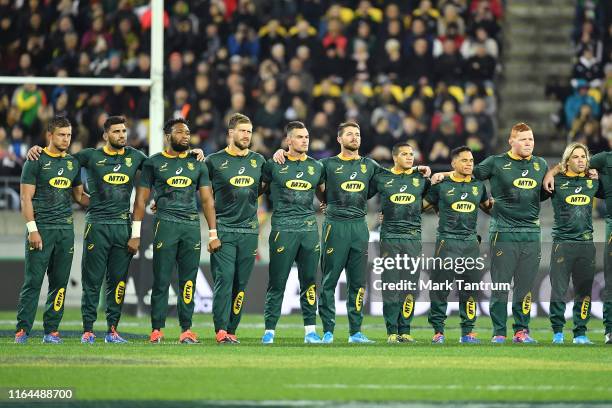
(27, 210)
(142, 196)
(208, 208)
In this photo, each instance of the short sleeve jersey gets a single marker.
(458, 201)
(235, 182)
(401, 197)
(516, 186)
(292, 191)
(175, 181)
(54, 175)
(347, 184)
(572, 201)
(110, 182)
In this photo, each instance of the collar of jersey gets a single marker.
(61, 154)
(519, 158)
(298, 158)
(457, 179)
(111, 153)
(227, 150)
(180, 155)
(570, 173)
(341, 157)
(409, 171)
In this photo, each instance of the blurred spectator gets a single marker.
(574, 103)
(588, 68)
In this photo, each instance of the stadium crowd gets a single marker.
(587, 106)
(420, 71)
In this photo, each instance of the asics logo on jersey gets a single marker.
(299, 174)
(241, 170)
(403, 188)
(464, 196)
(179, 170)
(353, 175)
(117, 167)
(524, 173)
(579, 189)
(60, 171)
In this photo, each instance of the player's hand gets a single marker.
(279, 156)
(549, 182)
(153, 207)
(424, 170)
(323, 208)
(593, 174)
(491, 202)
(437, 178)
(199, 154)
(214, 245)
(381, 217)
(35, 240)
(34, 153)
(133, 245)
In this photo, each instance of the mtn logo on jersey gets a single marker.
(352, 186)
(402, 198)
(60, 182)
(525, 183)
(241, 181)
(578, 199)
(300, 185)
(463, 206)
(116, 178)
(179, 181)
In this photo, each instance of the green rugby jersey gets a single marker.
(401, 197)
(602, 162)
(175, 181)
(516, 186)
(347, 183)
(292, 191)
(54, 175)
(458, 200)
(572, 201)
(110, 181)
(235, 182)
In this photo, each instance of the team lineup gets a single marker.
(229, 183)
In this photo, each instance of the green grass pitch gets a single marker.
(290, 370)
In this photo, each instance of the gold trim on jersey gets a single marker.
(398, 172)
(515, 157)
(111, 153)
(60, 154)
(459, 179)
(302, 157)
(570, 173)
(180, 155)
(341, 157)
(228, 151)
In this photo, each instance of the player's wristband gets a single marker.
(136, 229)
(212, 235)
(31, 226)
